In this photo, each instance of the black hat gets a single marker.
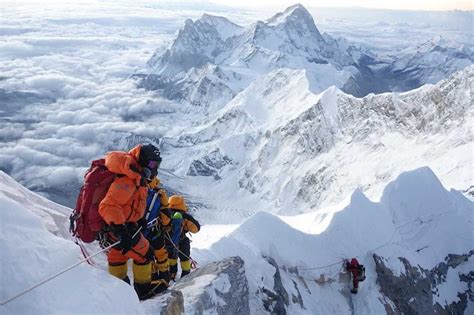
(149, 153)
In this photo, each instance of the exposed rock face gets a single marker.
(209, 165)
(411, 292)
(440, 274)
(220, 287)
(415, 290)
(172, 302)
(277, 299)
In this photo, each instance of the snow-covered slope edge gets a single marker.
(417, 238)
(30, 254)
(53, 215)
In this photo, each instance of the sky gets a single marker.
(383, 4)
(438, 5)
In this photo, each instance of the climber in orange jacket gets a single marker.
(123, 205)
(177, 243)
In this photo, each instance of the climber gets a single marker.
(123, 205)
(156, 217)
(358, 273)
(177, 243)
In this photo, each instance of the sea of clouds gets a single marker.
(67, 90)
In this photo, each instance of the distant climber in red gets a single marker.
(358, 273)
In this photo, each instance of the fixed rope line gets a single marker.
(179, 251)
(418, 219)
(56, 275)
(62, 271)
(84, 251)
(322, 267)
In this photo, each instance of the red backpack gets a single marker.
(85, 220)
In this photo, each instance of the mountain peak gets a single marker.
(213, 19)
(295, 11)
(222, 25)
(295, 17)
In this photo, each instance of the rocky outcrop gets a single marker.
(172, 302)
(209, 165)
(276, 300)
(220, 287)
(439, 275)
(410, 292)
(415, 290)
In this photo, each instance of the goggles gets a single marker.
(153, 164)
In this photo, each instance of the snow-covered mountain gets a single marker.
(212, 59)
(215, 59)
(429, 62)
(277, 146)
(415, 261)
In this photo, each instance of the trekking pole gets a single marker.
(63, 271)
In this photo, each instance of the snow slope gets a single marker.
(31, 253)
(415, 211)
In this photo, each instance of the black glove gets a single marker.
(166, 212)
(143, 223)
(146, 173)
(146, 177)
(125, 238)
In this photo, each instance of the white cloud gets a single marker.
(11, 131)
(15, 49)
(63, 175)
(54, 83)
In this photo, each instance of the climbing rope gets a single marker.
(84, 251)
(194, 263)
(56, 275)
(86, 259)
(420, 220)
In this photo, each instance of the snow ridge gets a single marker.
(415, 212)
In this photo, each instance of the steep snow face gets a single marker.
(413, 220)
(53, 215)
(30, 254)
(337, 124)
